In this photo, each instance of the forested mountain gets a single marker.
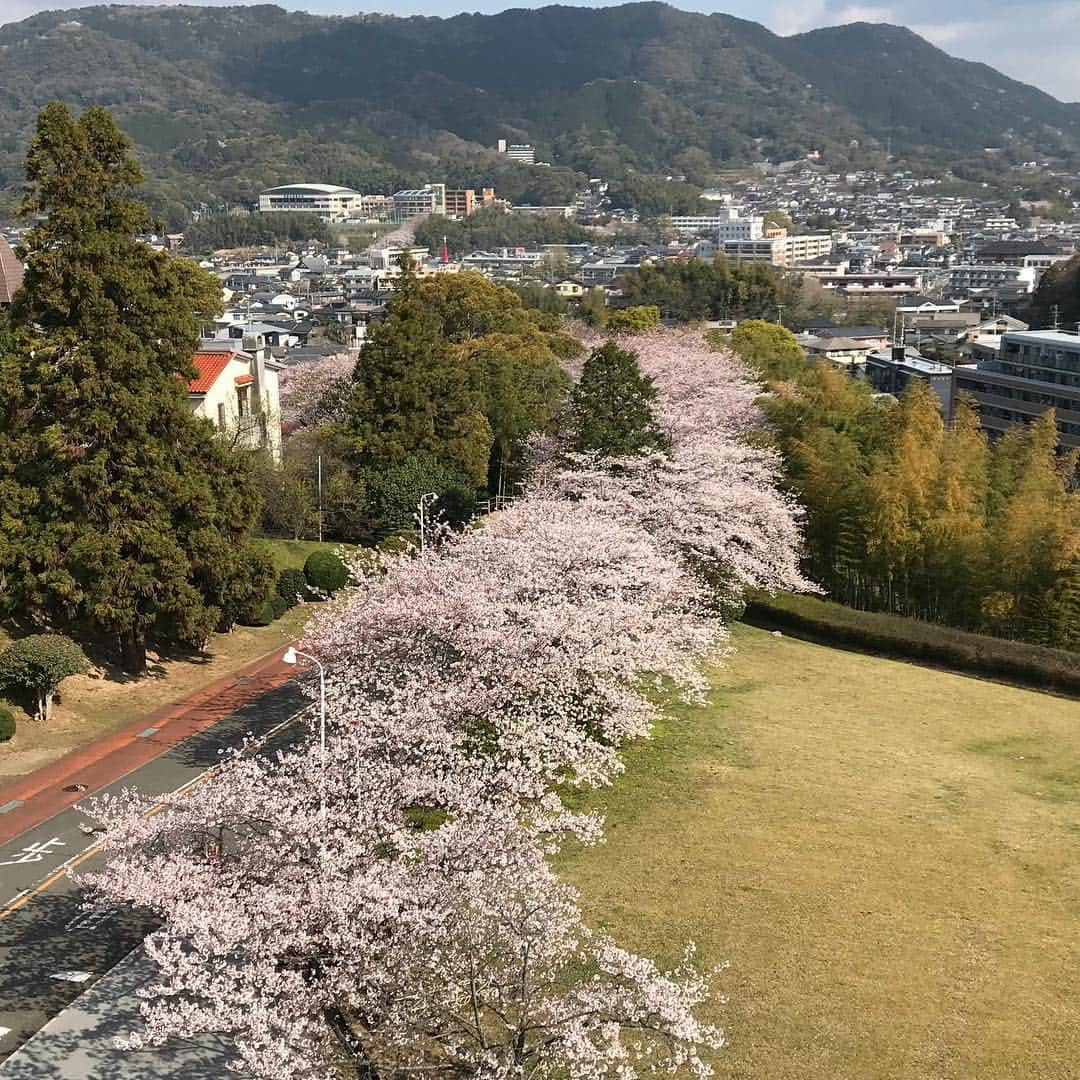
(225, 101)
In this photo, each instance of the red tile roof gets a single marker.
(243, 380)
(208, 365)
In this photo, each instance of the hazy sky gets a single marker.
(1036, 41)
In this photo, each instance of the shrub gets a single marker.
(325, 571)
(634, 320)
(261, 615)
(7, 723)
(38, 664)
(292, 587)
(279, 605)
(894, 635)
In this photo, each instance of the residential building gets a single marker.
(570, 289)
(967, 276)
(890, 370)
(328, 201)
(780, 251)
(729, 225)
(1034, 371)
(11, 272)
(459, 203)
(237, 392)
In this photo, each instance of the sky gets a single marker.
(1035, 41)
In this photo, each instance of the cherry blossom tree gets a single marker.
(315, 392)
(386, 907)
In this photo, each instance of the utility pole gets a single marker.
(1055, 312)
(780, 314)
(319, 468)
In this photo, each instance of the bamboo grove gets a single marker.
(915, 516)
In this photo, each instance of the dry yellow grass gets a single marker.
(888, 856)
(89, 706)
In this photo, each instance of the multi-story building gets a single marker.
(461, 203)
(523, 152)
(1034, 371)
(728, 226)
(890, 370)
(780, 251)
(328, 201)
(419, 202)
(967, 276)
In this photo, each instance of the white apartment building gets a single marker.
(727, 226)
(523, 152)
(328, 201)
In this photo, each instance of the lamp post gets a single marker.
(292, 657)
(421, 506)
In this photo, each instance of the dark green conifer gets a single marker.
(122, 515)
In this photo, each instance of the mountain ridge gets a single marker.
(222, 101)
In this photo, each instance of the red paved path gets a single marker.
(119, 752)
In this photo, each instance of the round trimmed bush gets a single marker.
(292, 586)
(325, 571)
(7, 723)
(279, 605)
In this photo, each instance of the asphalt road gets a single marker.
(51, 950)
(78, 1044)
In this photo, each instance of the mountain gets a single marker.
(222, 102)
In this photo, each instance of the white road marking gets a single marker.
(35, 852)
(73, 976)
(4, 1031)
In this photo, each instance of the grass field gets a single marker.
(888, 857)
(292, 554)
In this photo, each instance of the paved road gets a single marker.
(78, 1044)
(50, 949)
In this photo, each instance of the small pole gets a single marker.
(320, 498)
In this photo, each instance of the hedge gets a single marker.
(1033, 666)
(7, 723)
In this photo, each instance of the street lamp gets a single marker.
(421, 506)
(291, 657)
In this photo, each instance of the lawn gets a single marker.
(91, 706)
(292, 554)
(888, 856)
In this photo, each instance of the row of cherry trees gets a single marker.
(386, 908)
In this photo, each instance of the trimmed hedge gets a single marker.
(7, 723)
(325, 571)
(1033, 666)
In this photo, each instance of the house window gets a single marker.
(241, 401)
(221, 414)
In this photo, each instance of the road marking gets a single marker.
(9, 806)
(23, 898)
(4, 1031)
(90, 920)
(147, 733)
(35, 852)
(73, 976)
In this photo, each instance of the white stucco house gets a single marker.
(238, 393)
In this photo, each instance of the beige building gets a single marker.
(238, 393)
(11, 272)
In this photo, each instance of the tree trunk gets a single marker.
(133, 649)
(356, 1058)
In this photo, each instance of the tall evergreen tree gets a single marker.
(413, 396)
(121, 513)
(612, 406)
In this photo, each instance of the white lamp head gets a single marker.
(290, 656)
